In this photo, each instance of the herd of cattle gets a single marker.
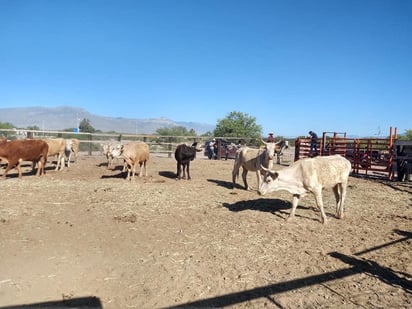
(301, 177)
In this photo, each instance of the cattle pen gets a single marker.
(368, 156)
(372, 157)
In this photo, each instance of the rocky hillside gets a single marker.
(64, 117)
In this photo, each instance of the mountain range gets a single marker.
(65, 117)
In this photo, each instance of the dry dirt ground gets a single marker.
(87, 238)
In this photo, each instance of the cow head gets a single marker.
(115, 150)
(270, 148)
(269, 182)
(195, 146)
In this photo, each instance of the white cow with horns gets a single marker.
(311, 175)
(251, 159)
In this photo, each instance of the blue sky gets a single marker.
(321, 65)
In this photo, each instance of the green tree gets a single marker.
(176, 131)
(407, 136)
(34, 128)
(237, 124)
(6, 125)
(6, 134)
(85, 126)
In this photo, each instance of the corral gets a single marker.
(87, 235)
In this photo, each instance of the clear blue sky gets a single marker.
(322, 65)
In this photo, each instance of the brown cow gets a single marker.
(15, 151)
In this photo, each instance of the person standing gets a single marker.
(313, 151)
(271, 138)
(211, 149)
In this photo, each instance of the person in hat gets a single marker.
(313, 151)
(271, 138)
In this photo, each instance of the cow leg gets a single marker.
(188, 171)
(259, 178)
(244, 176)
(39, 167)
(295, 202)
(337, 192)
(145, 168)
(342, 188)
(62, 162)
(19, 169)
(133, 171)
(141, 169)
(319, 202)
(178, 170)
(235, 173)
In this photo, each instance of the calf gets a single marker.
(15, 151)
(183, 155)
(311, 175)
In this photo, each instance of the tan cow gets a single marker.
(57, 147)
(311, 175)
(134, 153)
(251, 159)
(72, 149)
(15, 151)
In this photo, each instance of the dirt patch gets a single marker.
(87, 233)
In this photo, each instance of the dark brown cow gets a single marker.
(183, 155)
(15, 151)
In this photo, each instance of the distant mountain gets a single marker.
(64, 117)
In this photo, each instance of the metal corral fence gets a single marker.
(367, 155)
(92, 143)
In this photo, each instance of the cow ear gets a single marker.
(273, 174)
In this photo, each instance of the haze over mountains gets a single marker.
(64, 117)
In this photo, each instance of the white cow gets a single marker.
(111, 151)
(311, 175)
(251, 159)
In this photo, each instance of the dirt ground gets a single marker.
(87, 238)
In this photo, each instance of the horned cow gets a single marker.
(15, 151)
(251, 159)
(183, 155)
(311, 175)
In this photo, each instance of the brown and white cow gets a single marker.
(311, 175)
(251, 159)
(134, 153)
(15, 151)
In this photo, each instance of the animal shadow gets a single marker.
(273, 206)
(118, 175)
(167, 174)
(222, 183)
(279, 208)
